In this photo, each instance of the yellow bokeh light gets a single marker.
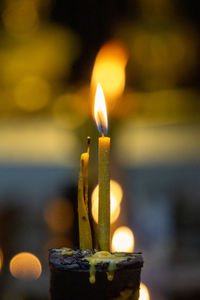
(32, 94)
(21, 17)
(25, 266)
(114, 210)
(66, 111)
(123, 240)
(59, 215)
(109, 70)
(144, 293)
(1, 259)
(116, 195)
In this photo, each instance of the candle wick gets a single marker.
(88, 144)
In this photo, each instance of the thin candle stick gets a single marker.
(85, 236)
(104, 193)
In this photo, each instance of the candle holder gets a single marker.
(91, 274)
(116, 277)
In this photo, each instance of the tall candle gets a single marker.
(103, 171)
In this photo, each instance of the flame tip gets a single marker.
(100, 111)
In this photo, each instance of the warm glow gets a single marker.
(25, 266)
(68, 110)
(21, 17)
(59, 215)
(1, 259)
(116, 194)
(32, 93)
(109, 69)
(144, 294)
(100, 112)
(123, 240)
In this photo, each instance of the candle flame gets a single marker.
(100, 112)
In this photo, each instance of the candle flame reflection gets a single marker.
(100, 112)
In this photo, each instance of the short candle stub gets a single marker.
(90, 274)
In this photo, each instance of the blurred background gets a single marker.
(146, 56)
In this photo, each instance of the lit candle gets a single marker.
(103, 171)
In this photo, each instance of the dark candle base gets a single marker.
(70, 277)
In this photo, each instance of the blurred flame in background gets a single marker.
(116, 194)
(109, 70)
(123, 240)
(59, 215)
(25, 266)
(1, 259)
(144, 293)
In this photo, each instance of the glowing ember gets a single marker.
(123, 240)
(25, 266)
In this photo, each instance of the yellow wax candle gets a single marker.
(85, 158)
(85, 236)
(104, 193)
(103, 171)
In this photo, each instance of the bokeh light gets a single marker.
(66, 111)
(32, 93)
(25, 266)
(109, 70)
(116, 195)
(123, 240)
(59, 215)
(21, 17)
(48, 54)
(144, 293)
(1, 259)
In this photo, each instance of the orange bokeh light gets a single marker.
(144, 293)
(25, 266)
(123, 240)
(1, 259)
(59, 215)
